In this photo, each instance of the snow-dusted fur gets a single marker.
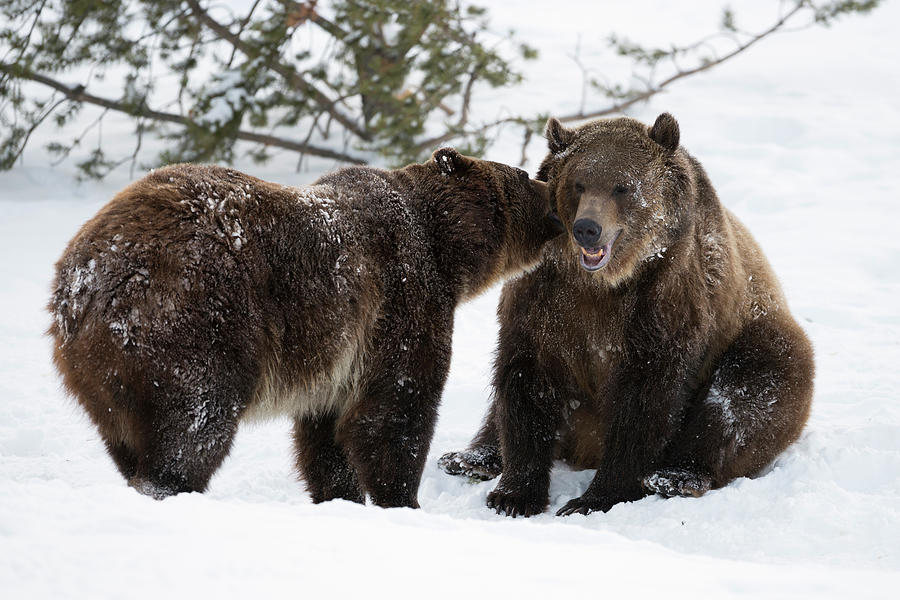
(674, 368)
(200, 296)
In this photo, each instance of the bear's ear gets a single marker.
(665, 132)
(558, 137)
(448, 161)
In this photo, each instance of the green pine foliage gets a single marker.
(384, 71)
(352, 80)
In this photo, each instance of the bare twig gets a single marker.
(137, 147)
(440, 139)
(467, 97)
(64, 153)
(37, 18)
(34, 126)
(624, 103)
(584, 73)
(681, 74)
(528, 133)
(240, 30)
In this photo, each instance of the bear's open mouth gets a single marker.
(593, 259)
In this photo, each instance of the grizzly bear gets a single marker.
(652, 344)
(200, 297)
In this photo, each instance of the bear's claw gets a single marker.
(514, 505)
(585, 505)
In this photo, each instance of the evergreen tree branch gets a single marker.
(387, 69)
(652, 90)
(307, 11)
(78, 94)
(629, 100)
(290, 75)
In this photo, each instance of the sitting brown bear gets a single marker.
(200, 296)
(653, 343)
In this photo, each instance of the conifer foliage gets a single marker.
(351, 80)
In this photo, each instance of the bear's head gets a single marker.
(495, 217)
(620, 189)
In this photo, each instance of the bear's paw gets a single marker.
(676, 482)
(481, 463)
(520, 502)
(585, 505)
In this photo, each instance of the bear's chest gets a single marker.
(590, 341)
(593, 352)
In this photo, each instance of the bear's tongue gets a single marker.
(592, 257)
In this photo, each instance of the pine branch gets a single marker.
(307, 11)
(78, 94)
(681, 74)
(291, 76)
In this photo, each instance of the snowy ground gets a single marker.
(800, 136)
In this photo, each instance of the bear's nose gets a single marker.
(586, 232)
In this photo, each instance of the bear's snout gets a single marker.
(587, 232)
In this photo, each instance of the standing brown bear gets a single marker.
(653, 343)
(200, 296)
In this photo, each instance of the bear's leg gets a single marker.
(756, 406)
(653, 392)
(115, 424)
(106, 400)
(321, 462)
(124, 456)
(387, 436)
(186, 437)
(482, 459)
(388, 432)
(528, 415)
(601, 495)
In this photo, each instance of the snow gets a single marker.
(227, 97)
(799, 136)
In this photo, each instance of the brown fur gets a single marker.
(674, 369)
(200, 296)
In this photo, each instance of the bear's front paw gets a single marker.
(677, 482)
(585, 505)
(516, 503)
(480, 463)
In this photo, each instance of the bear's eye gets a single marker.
(620, 190)
(579, 188)
(522, 174)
